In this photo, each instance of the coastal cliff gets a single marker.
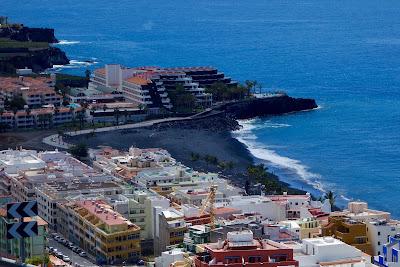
(24, 47)
(26, 34)
(36, 59)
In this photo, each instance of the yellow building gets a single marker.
(309, 228)
(349, 231)
(105, 234)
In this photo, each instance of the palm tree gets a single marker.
(331, 197)
(71, 110)
(116, 115)
(15, 110)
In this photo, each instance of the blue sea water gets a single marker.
(343, 53)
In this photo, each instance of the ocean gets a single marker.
(345, 54)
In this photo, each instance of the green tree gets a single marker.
(37, 260)
(17, 102)
(117, 113)
(182, 100)
(79, 151)
(194, 156)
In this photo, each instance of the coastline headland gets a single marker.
(25, 47)
(208, 134)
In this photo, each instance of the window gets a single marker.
(379, 243)
(379, 233)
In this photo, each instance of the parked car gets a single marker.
(75, 249)
(59, 255)
(82, 254)
(66, 258)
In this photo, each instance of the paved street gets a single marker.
(75, 258)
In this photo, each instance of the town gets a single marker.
(143, 207)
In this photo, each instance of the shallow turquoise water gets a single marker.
(345, 54)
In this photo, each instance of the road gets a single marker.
(75, 258)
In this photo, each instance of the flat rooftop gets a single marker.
(103, 212)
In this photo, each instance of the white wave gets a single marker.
(345, 198)
(66, 42)
(74, 64)
(265, 153)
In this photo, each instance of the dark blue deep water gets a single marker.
(343, 53)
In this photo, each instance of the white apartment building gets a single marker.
(135, 86)
(328, 251)
(169, 257)
(379, 232)
(50, 194)
(262, 205)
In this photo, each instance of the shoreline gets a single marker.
(181, 142)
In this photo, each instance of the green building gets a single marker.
(34, 246)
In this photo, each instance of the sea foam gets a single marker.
(260, 151)
(66, 42)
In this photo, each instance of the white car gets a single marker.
(82, 254)
(66, 258)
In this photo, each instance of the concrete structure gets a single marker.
(128, 165)
(261, 205)
(359, 211)
(170, 230)
(169, 257)
(103, 233)
(241, 249)
(328, 251)
(138, 207)
(349, 231)
(303, 228)
(51, 194)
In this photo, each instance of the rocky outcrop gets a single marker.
(224, 118)
(37, 60)
(25, 34)
(256, 107)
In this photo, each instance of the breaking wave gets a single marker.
(66, 42)
(260, 151)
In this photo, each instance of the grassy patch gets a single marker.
(7, 43)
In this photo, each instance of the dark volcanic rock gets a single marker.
(255, 107)
(29, 34)
(37, 60)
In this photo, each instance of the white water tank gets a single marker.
(240, 236)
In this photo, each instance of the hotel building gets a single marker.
(131, 83)
(35, 91)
